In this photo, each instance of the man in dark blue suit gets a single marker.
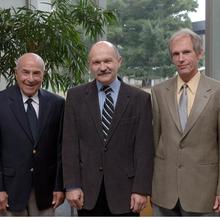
(30, 155)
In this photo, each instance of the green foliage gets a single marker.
(142, 33)
(57, 36)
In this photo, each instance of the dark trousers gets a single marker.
(101, 208)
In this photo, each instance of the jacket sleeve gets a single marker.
(2, 187)
(59, 173)
(144, 148)
(156, 118)
(70, 146)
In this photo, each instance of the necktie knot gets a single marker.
(29, 101)
(184, 88)
(107, 90)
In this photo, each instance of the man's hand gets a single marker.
(138, 202)
(75, 198)
(216, 206)
(3, 202)
(58, 199)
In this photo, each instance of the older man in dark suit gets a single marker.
(107, 141)
(31, 181)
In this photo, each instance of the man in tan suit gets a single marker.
(186, 127)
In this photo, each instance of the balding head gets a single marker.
(104, 62)
(30, 56)
(104, 44)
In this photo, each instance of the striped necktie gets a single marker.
(183, 106)
(107, 111)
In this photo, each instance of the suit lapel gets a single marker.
(203, 94)
(93, 106)
(17, 107)
(92, 101)
(122, 102)
(44, 110)
(171, 100)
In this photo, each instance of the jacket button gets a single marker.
(34, 151)
(100, 168)
(105, 149)
(32, 169)
(180, 166)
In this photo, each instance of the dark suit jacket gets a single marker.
(125, 161)
(23, 163)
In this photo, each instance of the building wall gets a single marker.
(101, 3)
(38, 4)
(212, 38)
(41, 4)
(12, 3)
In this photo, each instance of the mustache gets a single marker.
(103, 73)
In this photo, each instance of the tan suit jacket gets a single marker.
(186, 162)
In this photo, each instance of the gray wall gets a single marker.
(38, 4)
(212, 38)
(12, 3)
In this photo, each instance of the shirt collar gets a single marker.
(114, 85)
(35, 98)
(192, 84)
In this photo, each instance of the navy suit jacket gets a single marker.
(25, 164)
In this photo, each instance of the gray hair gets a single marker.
(195, 38)
(34, 56)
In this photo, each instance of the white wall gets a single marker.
(41, 4)
(12, 3)
(38, 4)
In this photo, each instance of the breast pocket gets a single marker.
(128, 120)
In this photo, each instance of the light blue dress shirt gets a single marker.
(115, 86)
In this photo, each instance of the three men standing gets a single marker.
(108, 140)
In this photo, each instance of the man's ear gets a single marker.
(120, 60)
(15, 72)
(201, 54)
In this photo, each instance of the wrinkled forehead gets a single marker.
(30, 59)
(103, 47)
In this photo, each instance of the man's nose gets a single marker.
(181, 57)
(30, 77)
(102, 66)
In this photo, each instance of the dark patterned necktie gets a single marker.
(32, 118)
(107, 112)
(183, 106)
